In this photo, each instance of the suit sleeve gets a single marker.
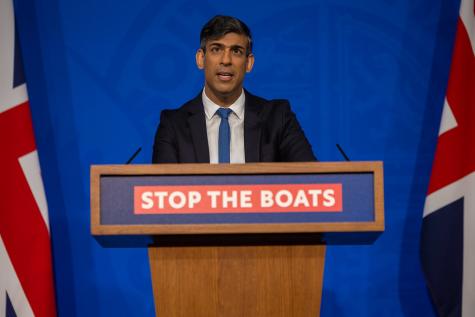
(294, 146)
(165, 145)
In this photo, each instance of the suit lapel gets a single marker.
(197, 124)
(252, 129)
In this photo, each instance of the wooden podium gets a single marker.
(239, 239)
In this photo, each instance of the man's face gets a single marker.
(225, 64)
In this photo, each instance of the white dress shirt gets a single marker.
(236, 124)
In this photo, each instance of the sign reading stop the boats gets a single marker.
(242, 198)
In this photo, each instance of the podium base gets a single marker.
(247, 281)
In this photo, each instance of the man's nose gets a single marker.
(226, 57)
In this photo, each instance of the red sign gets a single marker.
(262, 198)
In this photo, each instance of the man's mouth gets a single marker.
(225, 76)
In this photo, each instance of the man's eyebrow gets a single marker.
(216, 44)
(237, 46)
(222, 45)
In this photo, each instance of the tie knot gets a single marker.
(224, 112)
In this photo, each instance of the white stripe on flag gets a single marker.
(448, 121)
(468, 18)
(9, 283)
(468, 288)
(31, 168)
(9, 97)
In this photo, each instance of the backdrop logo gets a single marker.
(260, 198)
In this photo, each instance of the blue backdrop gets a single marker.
(368, 74)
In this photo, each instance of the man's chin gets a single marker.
(226, 91)
(229, 94)
(226, 96)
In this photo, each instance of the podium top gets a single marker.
(183, 199)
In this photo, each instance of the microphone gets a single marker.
(133, 156)
(342, 152)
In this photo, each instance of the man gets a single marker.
(225, 123)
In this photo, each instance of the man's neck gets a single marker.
(222, 101)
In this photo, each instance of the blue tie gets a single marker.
(224, 135)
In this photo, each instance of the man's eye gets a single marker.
(215, 49)
(237, 51)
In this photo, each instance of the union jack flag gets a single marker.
(448, 230)
(26, 276)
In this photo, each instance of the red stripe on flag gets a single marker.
(22, 227)
(455, 153)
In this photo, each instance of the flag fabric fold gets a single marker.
(26, 274)
(448, 227)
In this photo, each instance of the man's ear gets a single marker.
(200, 58)
(249, 63)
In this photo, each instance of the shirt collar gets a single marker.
(210, 107)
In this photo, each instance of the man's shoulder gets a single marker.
(191, 106)
(266, 106)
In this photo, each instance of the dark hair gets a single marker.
(219, 26)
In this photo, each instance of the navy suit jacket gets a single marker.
(271, 133)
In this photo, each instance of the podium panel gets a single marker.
(237, 280)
